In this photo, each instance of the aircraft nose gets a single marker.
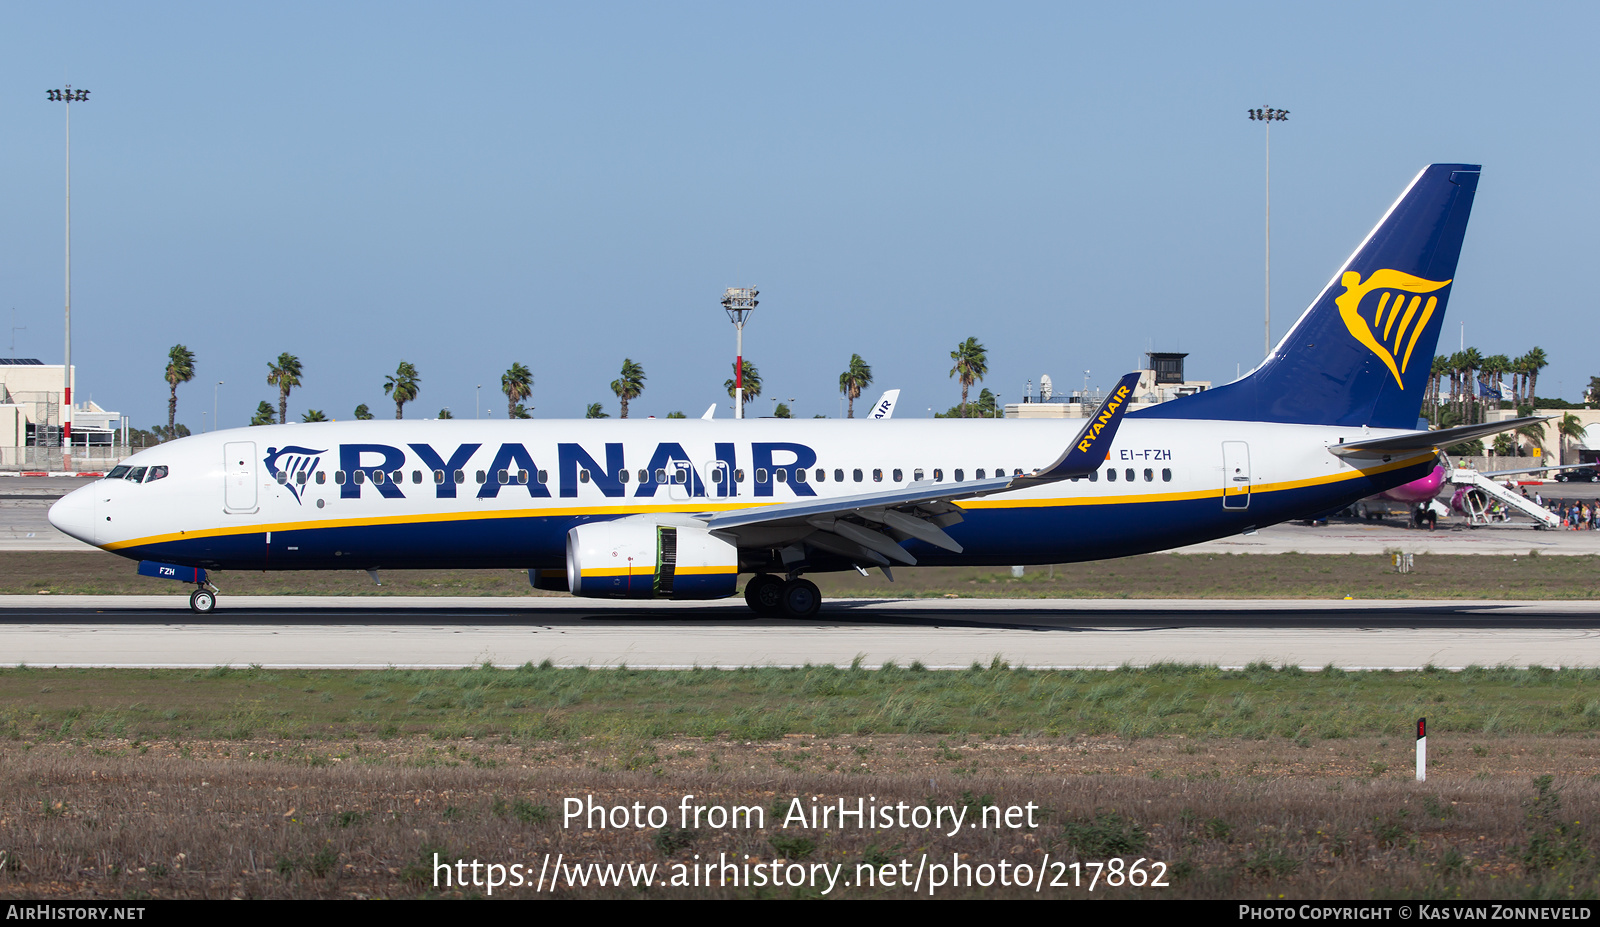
(73, 514)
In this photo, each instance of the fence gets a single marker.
(93, 457)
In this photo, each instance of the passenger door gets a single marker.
(239, 477)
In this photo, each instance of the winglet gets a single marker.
(1089, 449)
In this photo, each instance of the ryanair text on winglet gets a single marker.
(1104, 418)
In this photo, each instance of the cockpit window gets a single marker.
(136, 474)
(156, 473)
(118, 472)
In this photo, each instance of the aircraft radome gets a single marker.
(680, 508)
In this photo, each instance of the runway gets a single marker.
(376, 632)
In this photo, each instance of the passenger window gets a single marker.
(338, 477)
(916, 475)
(522, 477)
(781, 475)
(137, 474)
(438, 476)
(738, 476)
(157, 473)
(118, 472)
(1149, 475)
(856, 475)
(299, 478)
(359, 476)
(322, 477)
(938, 475)
(1166, 475)
(978, 475)
(398, 476)
(877, 476)
(838, 476)
(1128, 473)
(716, 477)
(799, 476)
(644, 476)
(377, 477)
(899, 476)
(622, 476)
(544, 476)
(1017, 472)
(583, 476)
(416, 476)
(482, 477)
(680, 476)
(1094, 476)
(960, 475)
(1111, 474)
(461, 476)
(661, 476)
(822, 475)
(761, 475)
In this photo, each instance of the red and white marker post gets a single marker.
(1422, 749)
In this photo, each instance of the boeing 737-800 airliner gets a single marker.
(678, 509)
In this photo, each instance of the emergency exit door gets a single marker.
(239, 477)
(1235, 475)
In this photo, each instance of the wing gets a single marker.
(868, 529)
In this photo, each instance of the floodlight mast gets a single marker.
(738, 301)
(1269, 115)
(69, 97)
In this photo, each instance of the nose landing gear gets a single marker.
(202, 600)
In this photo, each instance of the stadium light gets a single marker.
(738, 301)
(1268, 116)
(68, 96)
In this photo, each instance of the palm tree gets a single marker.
(1534, 432)
(1536, 362)
(1441, 366)
(595, 411)
(1570, 428)
(285, 375)
(630, 384)
(972, 362)
(517, 384)
(313, 415)
(752, 382)
(180, 369)
(445, 413)
(854, 380)
(402, 386)
(363, 414)
(263, 414)
(1495, 368)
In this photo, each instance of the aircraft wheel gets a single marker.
(202, 601)
(761, 593)
(801, 598)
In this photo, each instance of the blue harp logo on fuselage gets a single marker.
(295, 463)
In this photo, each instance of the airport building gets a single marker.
(1162, 380)
(31, 436)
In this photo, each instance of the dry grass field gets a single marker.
(1251, 784)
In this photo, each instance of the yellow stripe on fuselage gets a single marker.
(687, 508)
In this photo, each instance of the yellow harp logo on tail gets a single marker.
(1396, 322)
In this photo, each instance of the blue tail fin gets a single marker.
(1362, 353)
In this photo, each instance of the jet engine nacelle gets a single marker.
(641, 558)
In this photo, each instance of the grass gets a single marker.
(542, 703)
(1157, 576)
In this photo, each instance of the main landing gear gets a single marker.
(203, 600)
(768, 595)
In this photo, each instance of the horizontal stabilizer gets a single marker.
(1422, 440)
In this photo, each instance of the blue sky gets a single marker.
(568, 185)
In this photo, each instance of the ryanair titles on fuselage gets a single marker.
(376, 465)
